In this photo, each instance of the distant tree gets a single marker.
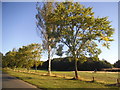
(106, 64)
(117, 64)
(1, 55)
(59, 50)
(79, 30)
(24, 57)
(30, 54)
(9, 59)
(93, 65)
(36, 52)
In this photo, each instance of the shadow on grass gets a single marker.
(115, 84)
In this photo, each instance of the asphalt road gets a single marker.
(12, 82)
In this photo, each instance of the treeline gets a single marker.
(25, 57)
(117, 64)
(67, 64)
(29, 57)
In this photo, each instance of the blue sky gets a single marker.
(1, 26)
(19, 28)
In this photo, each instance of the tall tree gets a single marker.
(79, 30)
(46, 30)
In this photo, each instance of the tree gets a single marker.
(30, 55)
(59, 51)
(24, 57)
(9, 59)
(117, 64)
(106, 64)
(79, 30)
(46, 30)
(36, 52)
(1, 55)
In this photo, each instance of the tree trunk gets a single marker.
(76, 73)
(49, 60)
(35, 66)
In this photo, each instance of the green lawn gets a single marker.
(43, 81)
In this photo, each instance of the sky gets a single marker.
(119, 31)
(19, 26)
(1, 26)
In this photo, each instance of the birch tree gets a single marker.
(47, 34)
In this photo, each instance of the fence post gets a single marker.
(64, 76)
(118, 82)
(93, 79)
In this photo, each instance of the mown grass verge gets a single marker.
(41, 80)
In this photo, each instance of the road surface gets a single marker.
(12, 82)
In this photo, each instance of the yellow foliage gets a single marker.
(81, 35)
(106, 38)
(103, 44)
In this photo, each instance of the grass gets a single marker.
(42, 81)
(104, 77)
